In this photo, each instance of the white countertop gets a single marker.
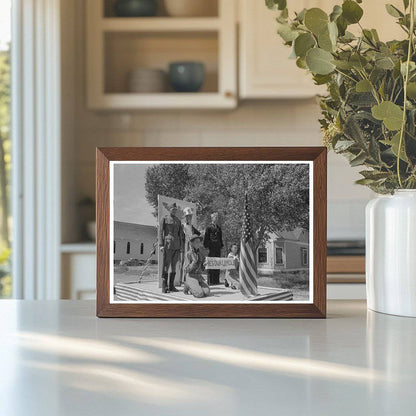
(56, 358)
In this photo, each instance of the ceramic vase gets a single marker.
(391, 253)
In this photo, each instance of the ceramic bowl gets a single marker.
(135, 8)
(186, 76)
(147, 80)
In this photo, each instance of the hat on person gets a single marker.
(194, 237)
(187, 211)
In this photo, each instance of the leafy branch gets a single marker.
(369, 112)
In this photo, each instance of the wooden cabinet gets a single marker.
(117, 45)
(265, 70)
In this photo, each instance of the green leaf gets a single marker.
(411, 90)
(347, 37)
(284, 14)
(342, 25)
(319, 61)
(361, 99)
(368, 36)
(374, 175)
(393, 11)
(363, 86)
(286, 32)
(276, 4)
(292, 52)
(300, 17)
(303, 43)
(406, 4)
(333, 32)
(358, 160)
(321, 79)
(375, 35)
(374, 150)
(351, 11)
(343, 65)
(394, 145)
(327, 40)
(353, 130)
(364, 181)
(385, 63)
(343, 145)
(358, 61)
(301, 63)
(316, 20)
(325, 43)
(391, 114)
(412, 67)
(336, 12)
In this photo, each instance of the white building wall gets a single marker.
(136, 235)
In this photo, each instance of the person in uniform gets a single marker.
(213, 242)
(195, 283)
(171, 244)
(188, 231)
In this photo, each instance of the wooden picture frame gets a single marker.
(316, 308)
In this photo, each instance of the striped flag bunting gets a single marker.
(248, 264)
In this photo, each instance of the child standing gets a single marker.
(232, 276)
(194, 282)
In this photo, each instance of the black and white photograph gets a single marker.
(225, 232)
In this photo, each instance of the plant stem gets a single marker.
(406, 80)
(346, 75)
(373, 89)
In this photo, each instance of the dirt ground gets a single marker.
(298, 282)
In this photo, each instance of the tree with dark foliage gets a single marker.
(278, 194)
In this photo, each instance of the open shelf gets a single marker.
(127, 51)
(108, 9)
(116, 46)
(160, 24)
(162, 101)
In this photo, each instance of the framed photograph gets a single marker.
(211, 232)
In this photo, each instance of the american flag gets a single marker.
(248, 264)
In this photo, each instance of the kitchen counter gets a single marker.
(57, 358)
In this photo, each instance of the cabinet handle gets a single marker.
(228, 94)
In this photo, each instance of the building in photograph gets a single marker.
(285, 251)
(133, 241)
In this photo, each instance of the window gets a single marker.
(141, 248)
(262, 255)
(305, 256)
(5, 145)
(279, 255)
(128, 247)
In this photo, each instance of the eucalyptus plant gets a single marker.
(369, 112)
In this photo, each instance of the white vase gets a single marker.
(391, 253)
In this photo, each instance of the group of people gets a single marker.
(182, 242)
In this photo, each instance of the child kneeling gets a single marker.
(232, 276)
(194, 282)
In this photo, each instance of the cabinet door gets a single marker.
(265, 68)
